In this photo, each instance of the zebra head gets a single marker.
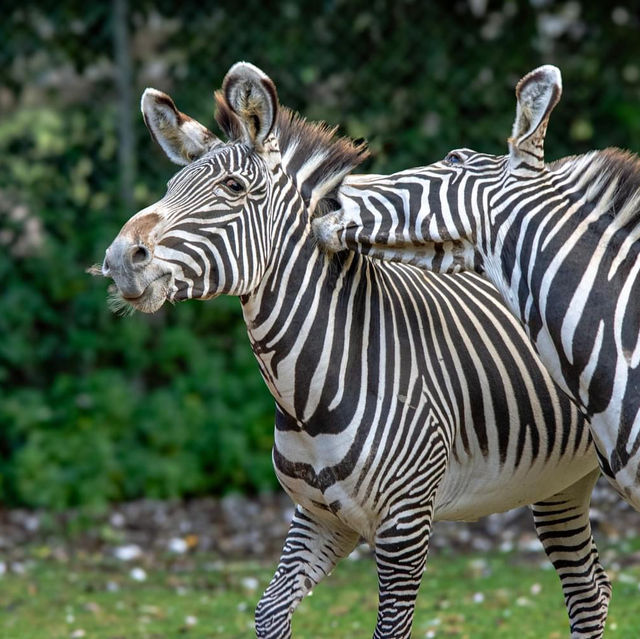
(210, 233)
(442, 217)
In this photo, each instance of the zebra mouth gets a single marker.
(153, 296)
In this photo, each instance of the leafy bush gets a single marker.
(95, 407)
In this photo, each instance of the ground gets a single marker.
(200, 596)
(169, 570)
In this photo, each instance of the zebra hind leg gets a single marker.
(563, 527)
(311, 551)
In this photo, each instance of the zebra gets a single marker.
(377, 433)
(560, 241)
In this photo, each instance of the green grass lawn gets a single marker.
(480, 596)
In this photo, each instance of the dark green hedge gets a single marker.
(95, 407)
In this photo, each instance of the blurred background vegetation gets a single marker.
(95, 407)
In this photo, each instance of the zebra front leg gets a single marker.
(311, 551)
(401, 545)
(563, 527)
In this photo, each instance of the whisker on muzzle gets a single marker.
(117, 304)
(95, 270)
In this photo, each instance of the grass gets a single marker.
(197, 597)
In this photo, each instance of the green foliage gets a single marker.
(95, 407)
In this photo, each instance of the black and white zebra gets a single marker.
(561, 242)
(401, 397)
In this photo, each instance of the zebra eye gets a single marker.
(453, 158)
(233, 185)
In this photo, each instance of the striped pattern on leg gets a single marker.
(562, 524)
(310, 553)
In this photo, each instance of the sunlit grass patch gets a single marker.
(200, 596)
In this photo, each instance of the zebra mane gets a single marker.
(613, 170)
(312, 155)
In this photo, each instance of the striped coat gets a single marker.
(561, 242)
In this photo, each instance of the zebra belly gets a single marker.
(474, 487)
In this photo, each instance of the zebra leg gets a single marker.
(311, 551)
(401, 553)
(562, 525)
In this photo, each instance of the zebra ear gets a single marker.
(253, 98)
(182, 138)
(537, 94)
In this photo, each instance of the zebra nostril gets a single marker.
(140, 255)
(106, 266)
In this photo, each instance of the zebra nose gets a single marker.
(123, 256)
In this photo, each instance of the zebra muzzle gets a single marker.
(140, 281)
(328, 230)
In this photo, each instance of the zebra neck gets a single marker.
(573, 208)
(561, 256)
(283, 312)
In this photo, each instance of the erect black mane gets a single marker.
(315, 158)
(626, 166)
(612, 163)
